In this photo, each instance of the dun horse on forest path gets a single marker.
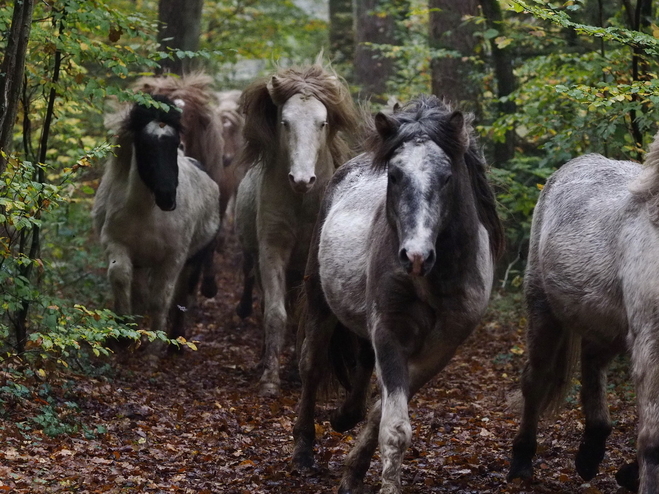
(399, 274)
(157, 216)
(591, 289)
(294, 128)
(232, 122)
(202, 139)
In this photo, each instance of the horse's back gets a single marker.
(579, 241)
(355, 195)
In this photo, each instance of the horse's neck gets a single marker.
(127, 177)
(459, 242)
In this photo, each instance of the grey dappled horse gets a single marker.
(157, 215)
(592, 289)
(400, 271)
(294, 127)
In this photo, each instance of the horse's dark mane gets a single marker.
(261, 99)
(429, 117)
(140, 115)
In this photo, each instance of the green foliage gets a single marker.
(277, 31)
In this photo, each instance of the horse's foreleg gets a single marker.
(645, 354)
(272, 263)
(208, 283)
(359, 458)
(182, 296)
(139, 290)
(594, 361)
(244, 308)
(120, 276)
(395, 428)
(163, 284)
(544, 376)
(313, 365)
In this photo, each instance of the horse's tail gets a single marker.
(560, 383)
(564, 367)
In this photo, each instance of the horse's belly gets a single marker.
(343, 257)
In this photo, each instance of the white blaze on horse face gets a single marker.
(159, 129)
(421, 169)
(304, 132)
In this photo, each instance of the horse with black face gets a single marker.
(399, 274)
(157, 215)
(203, 140)
(591, 292)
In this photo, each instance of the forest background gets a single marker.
(547, 81)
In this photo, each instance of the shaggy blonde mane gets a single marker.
(261, 100)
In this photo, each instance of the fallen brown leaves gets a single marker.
(195, 424)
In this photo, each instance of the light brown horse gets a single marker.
(294, 127)
(232, 132)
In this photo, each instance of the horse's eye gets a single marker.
(284, 123)
(392, 178)
(324, 124)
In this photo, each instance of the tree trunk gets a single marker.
(502, 61)
(376, 23)
(452, 76)
(12, 70)
(179, 30)
(640, 18)
(341, 32)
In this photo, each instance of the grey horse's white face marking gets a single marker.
(417, 189)
(303, 134)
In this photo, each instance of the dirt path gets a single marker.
(194, 423)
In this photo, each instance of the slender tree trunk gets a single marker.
(452, 77)
(12, 70)
(180, 29)
(376, 23)
(502, 61)
(639, 18)
(341, 32)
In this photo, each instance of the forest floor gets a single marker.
(194, 423)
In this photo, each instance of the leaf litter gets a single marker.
(194, 423)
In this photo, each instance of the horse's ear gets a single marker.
(273, 84)
(396, 107)
(458, 128)
(385, 125)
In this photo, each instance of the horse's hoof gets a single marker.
(244, 310)
(627, 476)
(302, 460)
(208, 287)
(587, 463)
(350, 487)
(389, 489)
(344, 421)
(520, 469)
(270, 390)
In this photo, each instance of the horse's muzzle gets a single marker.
(301, 186)
(166, 203)
(416, 263)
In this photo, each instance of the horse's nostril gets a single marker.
(431, 257)
(402, 255)
(291, 178)
(312, 179)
